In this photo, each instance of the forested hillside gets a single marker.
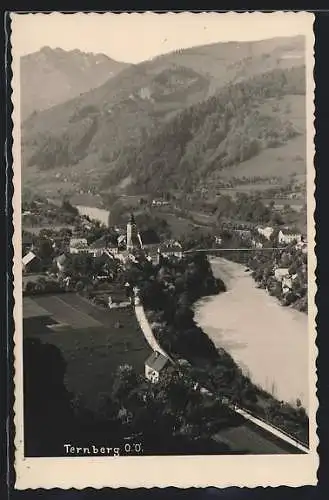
(224, 131)
(141, 121)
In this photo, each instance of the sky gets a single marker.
(137, 37)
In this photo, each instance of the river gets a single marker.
(99, 214)
(268, 341)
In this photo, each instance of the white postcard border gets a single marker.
(186, 471)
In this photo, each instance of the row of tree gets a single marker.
(167, 418)
(168, 293)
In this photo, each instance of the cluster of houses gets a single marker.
(125, 247)
(282, 275)
(284, 236)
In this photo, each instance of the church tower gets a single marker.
(131, 233)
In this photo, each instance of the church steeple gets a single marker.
(131, 233)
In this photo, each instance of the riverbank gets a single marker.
(269, 342)
(170, 308)
(94, 213)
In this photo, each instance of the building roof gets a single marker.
(132, 219)
(281, 271)
(28, 258)
(61, 259)
(290, 232)
(103, 242)
(149, 237)
(171, 248)
(156, 361)
(121, 239)
(78, 242)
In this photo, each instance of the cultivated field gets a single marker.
(93, 342)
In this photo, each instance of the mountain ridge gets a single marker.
(83, 139)
(64, 75)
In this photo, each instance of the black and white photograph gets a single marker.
(164, 249)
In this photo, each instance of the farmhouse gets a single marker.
(118, 301)
(265, 231)
(159, 203)
(171, 249)
(244, 233)
(154, 366)
(61, 262)
(280, 273)
(287, 236)
(78, 245)
(256, 244)
(103, 245)
(30, 262)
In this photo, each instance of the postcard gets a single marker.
(164, 270)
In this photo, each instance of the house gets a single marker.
(287, 284)
(78, 245)
(256, 244)
(30, 262)
(122, 241)
(244, 233)
(302, 245)
(218, 240)
(280, 273)
(154, 366)
(61, 262)
(159, 203)
(287, 236)
(265, 231)
(101, 246)
(117, 301)
(171, 249)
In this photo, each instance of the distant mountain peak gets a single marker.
(54, 75)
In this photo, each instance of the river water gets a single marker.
(99, 214)
(268, 341)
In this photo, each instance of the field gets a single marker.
(36, 229)
(93, 342)
(282, 161)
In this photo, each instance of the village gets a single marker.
(101, 301)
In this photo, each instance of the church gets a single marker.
(136, 242)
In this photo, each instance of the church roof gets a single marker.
(103, 242)
(132, 219)
(149, 237)
(121, 238)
